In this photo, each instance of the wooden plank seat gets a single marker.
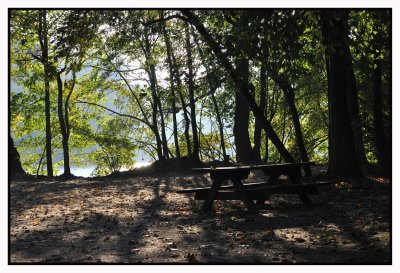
(260, 193)
(206, 189)
(254, 191)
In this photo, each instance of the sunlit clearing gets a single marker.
(141, 164)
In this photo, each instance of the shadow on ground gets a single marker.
(142, 220)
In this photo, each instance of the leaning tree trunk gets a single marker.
(288, 91)
(244, 87)
(14, 162)
(343, 158)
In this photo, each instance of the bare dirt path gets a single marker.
(142, 220)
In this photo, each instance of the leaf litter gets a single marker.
(142, 220)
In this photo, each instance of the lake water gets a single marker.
(87, 171)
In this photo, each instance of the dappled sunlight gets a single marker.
(381, 179)
(145, 195)
(200, 136)
(142, 219)
(343, 185)
(298, 235)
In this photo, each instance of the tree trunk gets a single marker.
(220, 127)
(151, 73)
(47, 75)
(244, 87)
(187, 121)
(64, 134)
(174, 122)
(329, 115)
(343, 158)
(388, 136)
(380, 141)
(172, 86)
(163, 134)
(14, 162)
(66, 111)
(288, 91)
(354, 112)
(244, 150)
(265, 160)
(263, 101)
(196, 146)
(214, 101)
(182, 99)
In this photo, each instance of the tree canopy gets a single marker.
(104, 87)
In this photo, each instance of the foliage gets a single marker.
(113, 110)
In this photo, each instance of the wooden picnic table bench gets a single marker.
(253, 191)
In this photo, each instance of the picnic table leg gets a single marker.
(245, 198)
(271, 181)
(294, 178)
(216, 185)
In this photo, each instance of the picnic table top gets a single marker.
(252, 167)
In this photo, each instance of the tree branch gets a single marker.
(114, 112)
(163, 19)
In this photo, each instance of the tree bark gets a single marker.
(213, 87)
(182, 99)
(186, 119)
(63, 128)
(14, 162)
(163, 133)
(354, 112)
(172, 86)
(47, 75)
(288, 91)
(265, 159)
(66, 107)
(151, 73)
(343, 158)
(244, 87)
(244, 150)
(196, 145)
(263, 102)
(380, 141)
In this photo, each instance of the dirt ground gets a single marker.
(142, 220)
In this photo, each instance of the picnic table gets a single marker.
(251, 192)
